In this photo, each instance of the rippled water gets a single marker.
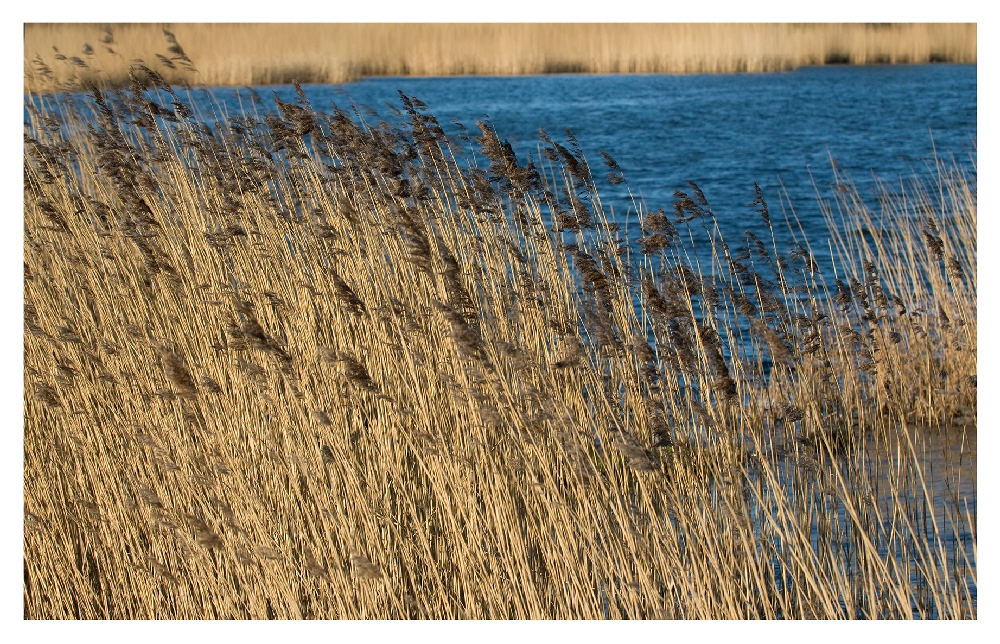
(723, 131)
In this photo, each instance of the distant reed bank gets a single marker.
(68, 55)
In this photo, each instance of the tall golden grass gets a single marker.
(293, 365)
(255, 54)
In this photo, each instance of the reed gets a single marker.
(296, 365)
(262, 54)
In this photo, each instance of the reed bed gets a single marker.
(262, 54)
(298, 365)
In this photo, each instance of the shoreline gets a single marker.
(71, 55)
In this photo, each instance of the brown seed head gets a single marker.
(363, 568)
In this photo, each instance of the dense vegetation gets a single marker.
(275, 53)
(298, 365)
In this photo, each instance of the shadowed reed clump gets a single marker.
(259, 345)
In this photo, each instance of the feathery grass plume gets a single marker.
(267, 552)
(616, 175)
(177, 373)
(934, 242)
(314, 567)
(346, 294)
(571, 352)
(418, 250)
(791, 413)
(955, 271)
(662, 231)
(844, 295)
(31, 319)
(204, 535)
(533, 413)
(759, 201)
(150, 498)
(467, 339)
(362, 568)
(53, 215)
(356, 373)
(253, 333)
(658, 305)
(177, 51)
(780, 354)
(646, 358)
(599, 325)
(632, 449)
(686, 209)
(210, 385)
(47, 395)
(65, 374)
(943, 320)
(722, 382)
(458, 294)
(163, 571)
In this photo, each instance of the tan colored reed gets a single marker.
(256, 54)
(265, 383)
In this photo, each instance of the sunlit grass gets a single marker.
(303, 366)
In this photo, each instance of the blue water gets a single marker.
(723, 131)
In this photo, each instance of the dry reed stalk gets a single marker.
(622, 441)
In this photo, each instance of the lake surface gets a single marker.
(723, 131)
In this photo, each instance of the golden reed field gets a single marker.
(262, 54)
(293, 364)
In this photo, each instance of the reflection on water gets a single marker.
(920, 512)
(947, 477)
